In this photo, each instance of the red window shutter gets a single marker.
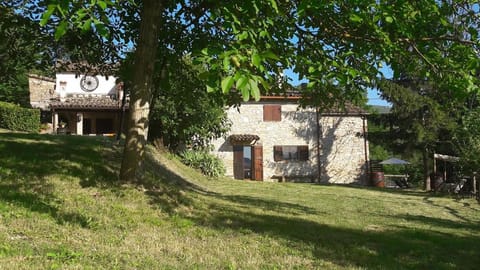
(267, 113)
(272, 113)
(277, 113)
(257, 162)
(277, 153)
(238, 161)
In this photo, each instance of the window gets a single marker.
(290, 152)
(272, 113)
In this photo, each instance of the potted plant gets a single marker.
(62, 128)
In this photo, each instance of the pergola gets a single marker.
(400, 180)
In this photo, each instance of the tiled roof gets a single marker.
(88, 103)
(294, 97)
(241, 138)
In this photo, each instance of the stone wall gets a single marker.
(42, 89)
(342, 151)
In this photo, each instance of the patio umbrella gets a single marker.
(394, 161)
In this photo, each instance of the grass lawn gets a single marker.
(62, 208)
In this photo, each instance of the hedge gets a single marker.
(14, 117)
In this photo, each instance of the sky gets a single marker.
(373, 94)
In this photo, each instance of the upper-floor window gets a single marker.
(290, 152)
(272, 113)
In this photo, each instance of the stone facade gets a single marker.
(42, 90)
(343, 147)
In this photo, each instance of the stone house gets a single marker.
(276, 140)
(81, 104)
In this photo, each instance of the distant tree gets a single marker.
(421, 117)
(467, 140)
(183, 113)
(24, 48)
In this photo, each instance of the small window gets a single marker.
(290, 152)
(272, 113)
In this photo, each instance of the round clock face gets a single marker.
(89, 83)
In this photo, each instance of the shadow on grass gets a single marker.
(374, 249)
(269, 205)
(439, 222)
(165, 187)
(40, 203)
(447, 208)
(409, 192)
(37, 156)
(28, 159)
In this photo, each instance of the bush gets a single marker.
(207, 163)
(14, 117)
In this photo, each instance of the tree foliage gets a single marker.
(24, 48)
(339, 43)
(422, 119)
(467, 140)
(183, 113)
(338, 46)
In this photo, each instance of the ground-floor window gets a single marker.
(290, 152)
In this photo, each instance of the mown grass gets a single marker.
(61, 207)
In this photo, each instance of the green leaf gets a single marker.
(246, 93)
(264, 83)
(355, 18)
(273, 3)
(46, 16)
(311, 69)
(254, 89)
(256, 60)
(242, 82)
(102, 4)
(227, 84)
(102, 30)
(61, 30)
(389, 19)
(226, 62)
(353, 72)
(87, 25)
(210, 88)
(270, 54)
(243, 35)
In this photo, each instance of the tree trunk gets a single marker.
(426, 169)
(141, 92)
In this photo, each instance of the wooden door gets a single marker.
(238, 161)
(257, 162)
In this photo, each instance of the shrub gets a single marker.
(14, 117)
(207, 163)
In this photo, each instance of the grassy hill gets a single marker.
(61, 207)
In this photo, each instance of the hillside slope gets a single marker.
(61, 207)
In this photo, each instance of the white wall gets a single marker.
(105, 86)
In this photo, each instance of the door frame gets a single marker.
(256, 159)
